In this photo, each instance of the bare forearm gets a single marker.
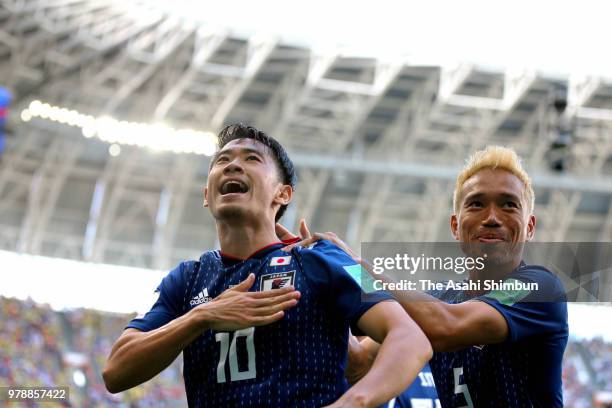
(451, 327)
(400, 358)
(139, 356)
(429, 313)
(433, 316)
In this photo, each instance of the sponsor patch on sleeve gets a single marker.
(355, 272)
(509, 297)
(363, 279)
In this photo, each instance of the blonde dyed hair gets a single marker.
(494, 157)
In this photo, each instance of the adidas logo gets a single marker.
(200, 298)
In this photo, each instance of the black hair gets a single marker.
(283, 162)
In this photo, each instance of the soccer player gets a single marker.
(235, 315)
(496, 348)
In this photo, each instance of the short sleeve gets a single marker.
(167, 307)
(336, 276)
(538, 311)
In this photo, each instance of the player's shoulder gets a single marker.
(534, 272)
(547, 286)
(324, 250)
(181, 272)
(186, 269)
(189, 265)
(207, 256)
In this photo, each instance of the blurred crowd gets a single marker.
(42, 347)
(587, 369)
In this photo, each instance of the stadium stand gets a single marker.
(40, 346)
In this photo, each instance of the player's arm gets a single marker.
(138, 356)
(494, 317)
(451, 327)
(448, 327)
(403, 352)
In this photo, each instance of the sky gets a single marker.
(558, 38)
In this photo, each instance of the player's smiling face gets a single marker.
(493, 215)
(244, 180)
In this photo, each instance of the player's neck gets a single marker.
(243, 241)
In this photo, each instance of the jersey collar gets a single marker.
(259, 254)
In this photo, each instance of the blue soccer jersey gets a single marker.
(420, 394)
(298, 361)
(524, 370)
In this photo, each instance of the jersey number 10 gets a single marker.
(226, 346)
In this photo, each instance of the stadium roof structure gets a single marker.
(377, 143)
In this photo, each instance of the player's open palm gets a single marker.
(237, 308)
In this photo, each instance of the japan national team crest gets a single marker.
(276, 280)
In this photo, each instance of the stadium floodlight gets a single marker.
(155, 136)
(559, 153)
(26, 116)
(560, 100)
(114, 150)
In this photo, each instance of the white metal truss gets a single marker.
(45, 188)
(172, 202)
(377, 144)
(555, 218)
(205, 45)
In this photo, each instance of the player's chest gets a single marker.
(274, 272)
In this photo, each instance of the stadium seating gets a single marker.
(40, 346)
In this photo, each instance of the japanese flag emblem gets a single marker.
(280, 260)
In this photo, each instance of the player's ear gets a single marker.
(205, 196)
(454, 226)
(284, 194)
(531, 224)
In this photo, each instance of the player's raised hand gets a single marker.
(237, 308)
(285, 235)
(306, 238)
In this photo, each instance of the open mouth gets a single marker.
(233, 187)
